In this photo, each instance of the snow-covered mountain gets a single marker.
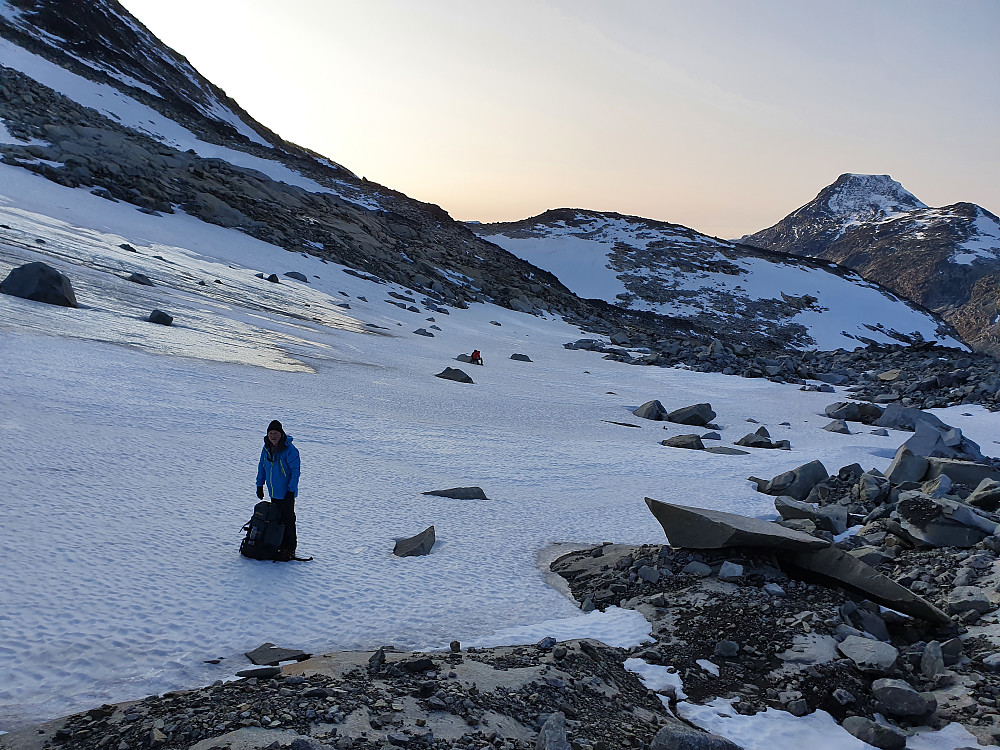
(947, 259)
(758, 297)
(90, 99)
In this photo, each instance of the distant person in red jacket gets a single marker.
(477, 357)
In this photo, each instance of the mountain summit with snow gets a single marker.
(946, 259)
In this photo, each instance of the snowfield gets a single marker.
(132, 452)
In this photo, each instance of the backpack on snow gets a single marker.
(264, 533)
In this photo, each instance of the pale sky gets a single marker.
(722, 115)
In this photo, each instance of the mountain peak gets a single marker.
(867, 197)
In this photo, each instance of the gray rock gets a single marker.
(698, 415)
(932, 661)
(938, 487)
(651, 410)
(520, 357)
(420, 544)
(725, 450)
(877, 735)
(730, 571)
(798, 482)
(797, 707)
(39, 282)
(160, 318)
(727, 649)
(700, 528)
(140, 278)
(677, 736)
(944, 442)
(834, 563)
(969, 473)
(271, 655)
(906, 467)
(296, 275)
(648, 574)
(842, 410)
(262, 673)
(942, 522)
(552, 735)
(900, 417)
(424, 332)
(832, 518)
(773, 589)
(466, 358)
(839, 426)
(869, 555)
(867, 653)
(699, 569)
(986, 496)
(881, 432)
(968, 598)
(992, 662)
(873, 488)
(900, 699)
(843, 697)
(711, 436)
(691, 442)
(755, 440)
(273, 278)
(453, 373)
(460, 493)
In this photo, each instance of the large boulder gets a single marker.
(415, 545)
(986, 496)
(931, 440)
(677, 736)
(697, 415)
(160, 318)
(700, 528)
(905, 418)
(969, 473)
(881, 736)
(39, 282)
(798, 482)
(929, 522)
(906, 467)
(900, 699)
(692, 442)
(868, 653)
(552, 735)
(651, 410)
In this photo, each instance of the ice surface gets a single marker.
(132, 451)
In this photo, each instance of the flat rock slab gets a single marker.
(725, 450)
(868, 653)
(249, 738)
(460, 493)
(852, 574)
(271, 655)
(699, 528)
(261, 673)
(413, 546)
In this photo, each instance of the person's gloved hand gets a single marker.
(289, 495)
(260, 493)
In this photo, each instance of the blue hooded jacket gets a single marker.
(279, 467)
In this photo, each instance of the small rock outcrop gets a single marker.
(413, 546)
(460, 493)
(453, 373)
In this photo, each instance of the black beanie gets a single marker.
(276, 425)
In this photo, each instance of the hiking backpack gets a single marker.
(264, 533)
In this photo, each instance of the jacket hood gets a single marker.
(285, 441)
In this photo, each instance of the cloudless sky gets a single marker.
(723, 115)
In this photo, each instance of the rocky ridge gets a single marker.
(709, 282)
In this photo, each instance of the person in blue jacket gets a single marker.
(279, 469)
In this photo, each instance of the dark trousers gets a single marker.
(286, 510)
